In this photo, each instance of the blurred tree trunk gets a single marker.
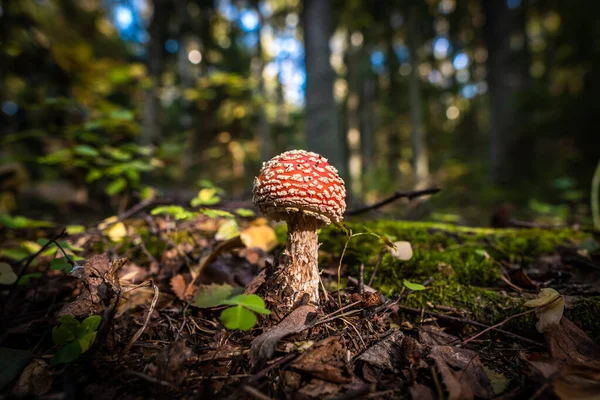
(394, 101)
(420, 158)
(367, 121)
(508, 75)
(152, 109)
(321, 123)
(264, 130)
(352, 126)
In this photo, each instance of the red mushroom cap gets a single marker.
(300, 181)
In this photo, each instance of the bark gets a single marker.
(420, 158)
(508, 75)
(321, 119)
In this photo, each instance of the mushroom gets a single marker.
(303, 189)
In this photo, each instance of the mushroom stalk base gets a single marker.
(299, 263)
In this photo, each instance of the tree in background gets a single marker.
(321, 116)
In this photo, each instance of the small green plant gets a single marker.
(73, 337)
(241, 315)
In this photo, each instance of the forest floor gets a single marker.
(408, 310)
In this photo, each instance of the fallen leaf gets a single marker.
(386, 353)
(325, 360)
(263, 347)
(462, 372)
(178, 286)
(402, 250)
(260, 236)
(568, 342)
(36, 379)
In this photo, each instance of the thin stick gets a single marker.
(498, 324)
(150, 311)
(379, 259)
(469, 322)
(398, 195)
(361, 279)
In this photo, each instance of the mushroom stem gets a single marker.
(300, 260)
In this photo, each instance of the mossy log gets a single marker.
(461, 266)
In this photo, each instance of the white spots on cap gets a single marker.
(300, 180)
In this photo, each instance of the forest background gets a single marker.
(106, 102)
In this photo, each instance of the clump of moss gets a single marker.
(585, 313)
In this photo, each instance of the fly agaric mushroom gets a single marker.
(303, 189)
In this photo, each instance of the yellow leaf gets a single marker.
(117, 232)
(261, 236)
(227, 230)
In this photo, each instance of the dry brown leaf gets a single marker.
(138, 297)
(178, 286)
(462, 372)
(36, 379)
(263, 347)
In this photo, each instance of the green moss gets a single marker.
(461, 263)
(585, 314)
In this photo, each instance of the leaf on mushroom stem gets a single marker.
(550, 307)
(402, 250)
(260, 236)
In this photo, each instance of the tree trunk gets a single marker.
(321, 117)
(420, 158)
(152, 109)
(507, 76)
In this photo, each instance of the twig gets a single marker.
(470, 322)
(361, 279)
(27, 264)
(497, 325)
(150, 310)
(398, 195)
(255, 393)
(379, 259)
(152, 379)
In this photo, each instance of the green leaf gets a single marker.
(413, 286)
(93, 175)
(60, 263)
(91, 323)
(75, 229)
(212, 295)
(7, 275)
(64, 333)
(206, 197)
(227, 230)
(14, 254)
(12, 361)
(212, 213)
(20, 222)
(116, 186)
(250, 301)
(245, 212)
(24, 280)
(238, 317)
(177, 212)
(86, 341)
(67, 354)
(85, 150)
